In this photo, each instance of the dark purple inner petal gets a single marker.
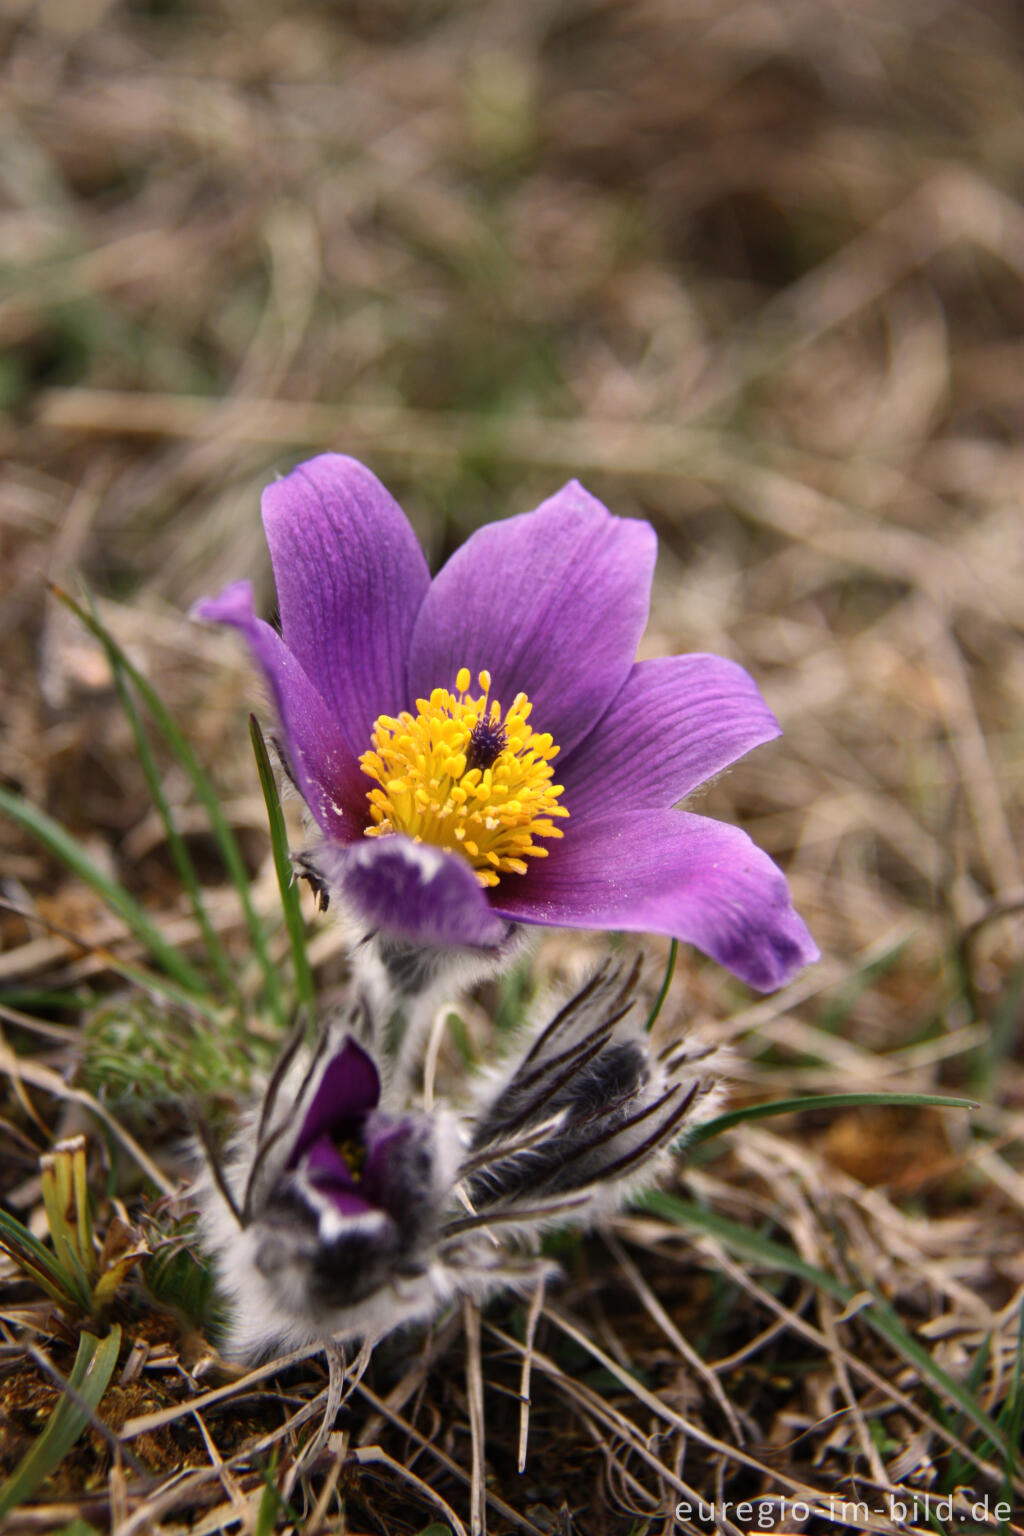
(345, 1201)
(348, 1089)
(330, 1175)
(395, 1174)
(421, 893)
(325, 1164)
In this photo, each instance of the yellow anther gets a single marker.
(459, 775)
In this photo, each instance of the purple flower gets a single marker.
(363, 1179)
(421, 720)
(325, 1214)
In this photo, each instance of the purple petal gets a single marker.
(328, 775)
(551, 603)
(348, 1089)
(325, 1164)
(345, 1202)
(330, 1175)
(670, 872)
(350, 579)
(412, 890)
(677, 721)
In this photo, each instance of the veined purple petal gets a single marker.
(332, 783)
(350, 579)
(413, 890)
(673, 873)
(552, 603)
(676, 722)
(348, 1089)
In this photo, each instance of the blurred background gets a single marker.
(750, 270)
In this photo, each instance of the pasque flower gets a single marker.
(483, 749)
(343, 1209)
(324, 1217)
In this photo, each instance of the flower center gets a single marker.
(353, 1155)
(460, 775)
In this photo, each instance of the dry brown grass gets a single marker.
(753, 271)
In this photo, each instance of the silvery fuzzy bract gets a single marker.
(343, 1211)
(582, 1113)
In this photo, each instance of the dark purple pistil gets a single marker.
(487, 740)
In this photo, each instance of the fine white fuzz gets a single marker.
(341, 1212)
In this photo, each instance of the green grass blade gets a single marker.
(90, 1376)
(58, 841)
(515, 989)
(85, 1233)
(36, 1260)
(958, 1469)
(285, 873)
(460, 1035)
(659, 1001)
(224, 837)
(266, 1516)
(734, 1117)
(155, 985)
(68, 1260)
(175, 842)
(879, 1316)
(1011, 1416)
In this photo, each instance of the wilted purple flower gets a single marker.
(364, 1178)
(420, 720)
(341, 1212)
(326, 1214)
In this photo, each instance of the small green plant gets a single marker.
(90, 1376)
(136, 1056)
(178, 1276)
(79, 1274)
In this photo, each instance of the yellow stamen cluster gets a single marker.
(459, 775)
